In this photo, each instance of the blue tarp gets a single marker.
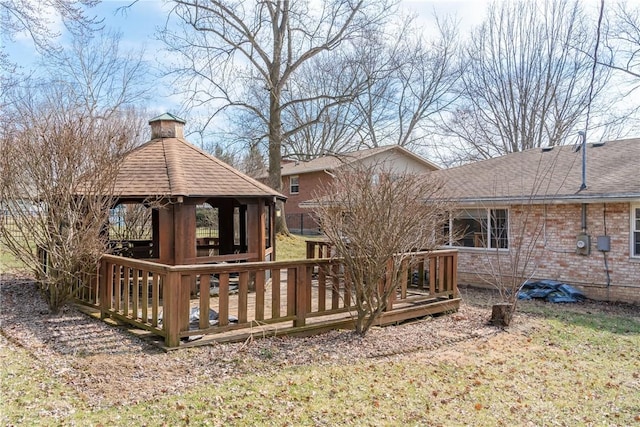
(550, 290)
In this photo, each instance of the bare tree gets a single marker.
(60, 142)
(621, 53)
(322, 130)
(408, 86)
(253, 163)
(58, 168)
(404, 82)
(622, 39)
(99, 74)
(376, 218)
(526, 81)
(36, 20)
(231, 51)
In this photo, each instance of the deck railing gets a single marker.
(177, 302)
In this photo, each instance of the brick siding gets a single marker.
(554, 255)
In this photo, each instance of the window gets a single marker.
(294, 184)
(635, 230)
(474, 228)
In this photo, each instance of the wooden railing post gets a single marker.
(388, 284)
(105, 287)
(311, 248)
(171, 309)
(185, 300)
(301, 296)
(454, 274)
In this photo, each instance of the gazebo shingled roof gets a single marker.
(170, 169)
(171, 166)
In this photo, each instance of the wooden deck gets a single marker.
(303, 297)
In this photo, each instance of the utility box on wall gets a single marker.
(604, 243)
(583, 244)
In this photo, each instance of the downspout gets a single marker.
(583, 135)
(604, 253)
(583, 186)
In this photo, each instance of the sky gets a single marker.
(140, 22)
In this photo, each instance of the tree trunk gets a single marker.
(281, 221)
(501, 314)
(275, 155)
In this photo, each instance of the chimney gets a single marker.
(167, 126)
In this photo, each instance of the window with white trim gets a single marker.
(635, 230)
(294, 184)
(479, 228)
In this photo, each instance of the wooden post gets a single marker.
(420, 283)
(275, 293)
(223, 300)
(454, 274)
(388, 284)
(127, 290)
(166, 236)
(311, 245)
(335, 286)
(433, 270)
(135, 292)
(291, 291)
(404, 274)
(204, 300)
(256, 230)
(184, 225)
(185, 300)
(322, 287)
(145, 296)
(301, 296)
(260, 279)
(105, 287)
(243, 292)
(155, 299)
(171, 309)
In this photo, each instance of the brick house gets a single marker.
(302, 179)
(585, 232)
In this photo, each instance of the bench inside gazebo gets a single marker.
(193, 256)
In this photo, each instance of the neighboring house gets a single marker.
(302, 180)
(588, 237)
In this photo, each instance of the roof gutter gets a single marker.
(568, 199)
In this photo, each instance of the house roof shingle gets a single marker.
(330, 162)
(549, 175)
(169, 167)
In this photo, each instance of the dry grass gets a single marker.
(291, 247)
(559, 365)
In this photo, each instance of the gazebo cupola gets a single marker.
(167, 126)
(177, 185)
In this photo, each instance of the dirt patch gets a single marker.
(108, 366)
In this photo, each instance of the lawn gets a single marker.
(292, 247)
(559, 367)
(8, 263)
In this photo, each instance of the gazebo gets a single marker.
(187, 206)
(199, 215)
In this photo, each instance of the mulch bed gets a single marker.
(107, 365)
